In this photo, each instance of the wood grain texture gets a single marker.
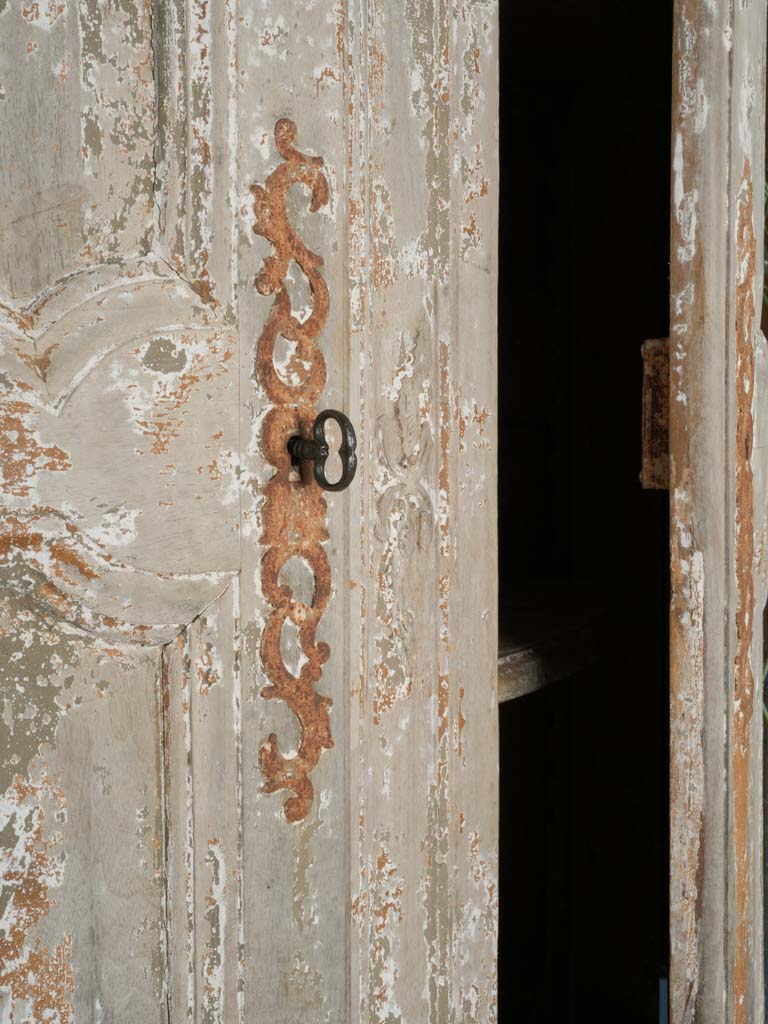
(77, 139)
(718, 510)
(422, 237)
(203, 836)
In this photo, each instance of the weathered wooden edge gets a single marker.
(715, 932)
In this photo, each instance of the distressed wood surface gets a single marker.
(157, 591)
(120, 533)
(424, 710)
(718, 501)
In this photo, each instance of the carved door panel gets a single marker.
(719, 496)
(248, 728)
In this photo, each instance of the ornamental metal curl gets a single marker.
(294, 515)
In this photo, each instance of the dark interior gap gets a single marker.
(583, 281)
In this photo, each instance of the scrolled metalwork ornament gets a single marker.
(294, 515)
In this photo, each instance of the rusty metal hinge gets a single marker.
(655, 472)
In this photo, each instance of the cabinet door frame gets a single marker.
(313, 184)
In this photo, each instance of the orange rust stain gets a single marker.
(476, 182)
(39, 364)
(385, 697)
(384, 265)
(483, 875)
(744, 557)
(203, 286)
(144, 70)
(34, 975)
(341, 24)
(471, 231)
(461, 723)
(480, 416)
(204, 148)
(206, 673)
(24, 321)
(376, 63)
(213, 469)
(477, 192)
(65, 555)
(445, 94)
(16, 536)
(22, 457)
(389, 905)
(31, 12)
(294, 513)
(443, 702)
(212, 951)
(53, 557)
(384, 902)
(325, 75)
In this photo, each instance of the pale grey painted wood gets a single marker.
(76, 152)
(133, 479)
(203, 841)
(107, 758)
(120, 525)
(215, 721)
(717, 498)
(424, 709)
(178, 790)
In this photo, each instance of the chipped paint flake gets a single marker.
(36, 982)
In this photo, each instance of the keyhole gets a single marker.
(333, 465)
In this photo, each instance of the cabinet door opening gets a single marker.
(584, 549)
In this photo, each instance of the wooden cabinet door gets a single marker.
(248, 728)
(719, 495)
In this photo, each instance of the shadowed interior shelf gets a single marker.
(549, 633)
